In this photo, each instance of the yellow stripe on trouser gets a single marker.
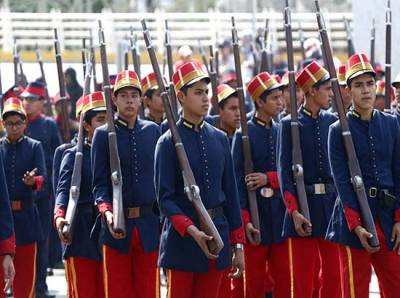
(169, 282)
(351, 273)
(67, 277)
(157, 283)
(105, 274)
(291, 268)
(73, 272)
(32, 291)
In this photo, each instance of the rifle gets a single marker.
(190, 187)
(84, 56)
(264, 54)
(76, 177)
(64, 112)
(47, 104)
(136, 63)
(216, 64)
(372, 55)
(297, 159)
(203, 57)
(350, 44)
(388, 55)
(93, 62)
(302, 39)
(115, 166)
(248, 162)
(126, 56)
(213, 78)
(354, 166)
(171, 89)
(15, 61)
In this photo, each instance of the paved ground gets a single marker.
(57, 285)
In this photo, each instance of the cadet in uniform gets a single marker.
(192, 271)
(43, 129)
(376, 138)
(271, 254)
(286, 95)
(152, 99)
(305, 248)
(82, 254)
(25, 171)
(130, 263)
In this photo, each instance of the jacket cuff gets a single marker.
(245, 216)
(237, 236)
(103, 207)
(397, 215)
(39, 181)
(7, 246)
(353, 218)
(273, 179)
(290, 202)
(181, 223)
(59, 211)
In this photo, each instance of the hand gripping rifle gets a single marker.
(74, 190)
(136, 63)
(190, 187)
(115, 166)
(171, 89)
(388, 55)
(47, 104)
(297, 159)
(350, 44)
(248, 162)
(64, 112)
(354, 166)
(372, 48)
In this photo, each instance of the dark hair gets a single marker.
(149, 93)
(89, 115)
(263, 97)
(351, 80)
(12, 113)
(222, 103)
(321, 82)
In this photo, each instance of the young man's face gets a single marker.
(15, 126)
(286, 97)
(230, 114)
(155, 102)
(32, 106)
(272, 104)
(196, 100)
(363, 92)
(128, 101)
(323, 94)
(98, 120)
(380, 103)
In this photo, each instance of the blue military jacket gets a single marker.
(211, 162)
(7, 237)
(82, 245)
(19, 158)
(136, 153)
(314, 146)
(377, 145)
(263, 152)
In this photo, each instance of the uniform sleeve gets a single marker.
(40, 165)
(56, 167)
(284, 167)
(396, 169)
(56, 139)
(341, 176)
(64, 183)
(232, 208)
(102, 188)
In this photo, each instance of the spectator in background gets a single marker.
(185, 55)
(74, 90)
(227, 61)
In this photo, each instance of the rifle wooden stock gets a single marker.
(171, 89)
(350, 45)
(76, 177)
(388, 57)
(47, 103)
(61, 84)
(136, 64)
(214, 84)
(190, 187)
(297, 158)
(248, 161)
(354, 166)
(115, 166)
(372, 54)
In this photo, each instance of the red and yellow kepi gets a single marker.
(380, 89)
(79, 106)
(285, 78)
(225, 91)
(127, 78)
(261, 83)
(94, 102)
(310, 75)
(357, 65)
(13, 104)
(149, 82)
(341, 74)
(34, 90)
(188, 74)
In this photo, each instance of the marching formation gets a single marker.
(281, 183)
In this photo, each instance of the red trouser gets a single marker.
(84, 277)
(194, 284)
(356, 270)
(303, 254)
(267, 270)
(25, 271)
(131, 275)
(225, 290)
